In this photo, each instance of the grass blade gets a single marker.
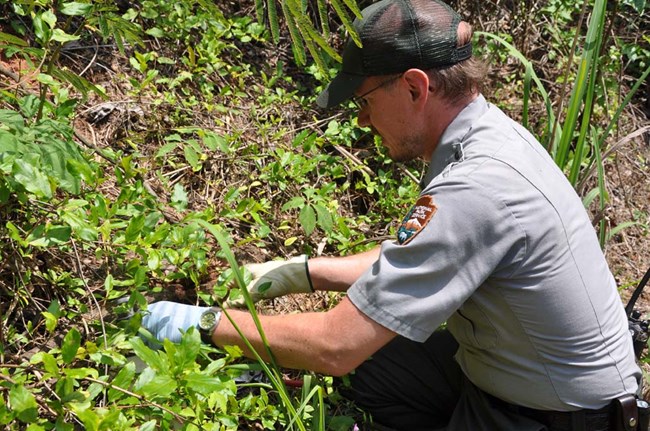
(529, 66)
(273, 374)
(591, 50)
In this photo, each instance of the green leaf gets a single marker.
(76, 220)
(80, 373)
(324, 218)
(153, 385)
(205, 385)
(36, 237)
(8, 146)
(307, 219)
(147, 355)
(84, 411)
(49, 17)
(153, 260)
(189, 348)
(124, 380)
(58, 234)
(63, 37)
(616, 229)
(23, 403)
(134, 228)
(639, 5)
(50, 321)
(78, 82)
(48, 361)
(167, 148)
(273, 20)
(5, 37)
(14, 233)
(192, 157)
(41, 31)
(294, 202)
(179, 197)
(215, 142)
(6, 416)
(31, 178)
(29, 106)
(54, 154)
(71, 343)
(11, 119)
(155, 32)
(55, 308)
(75, 8)
(46, 79)
(148, 426)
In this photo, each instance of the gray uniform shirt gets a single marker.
(500, 247)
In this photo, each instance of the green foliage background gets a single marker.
(146, 150)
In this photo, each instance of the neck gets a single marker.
(443, 112)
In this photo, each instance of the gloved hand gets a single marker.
(165, 319)
(276, 278)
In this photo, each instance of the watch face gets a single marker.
(208, 319)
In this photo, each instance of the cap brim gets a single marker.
(339, 90)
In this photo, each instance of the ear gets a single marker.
(418, 85)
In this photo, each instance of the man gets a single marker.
(498, 247)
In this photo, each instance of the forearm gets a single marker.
(332, 342)
(339, 273)
(294, 349)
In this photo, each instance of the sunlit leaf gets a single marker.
(307, 219)
(124, 380)
(147, 355)
(205, 385)
(31, 178)
(75, 8)
(70, 346)
(23, 403)
(153, 385)
(63, 37)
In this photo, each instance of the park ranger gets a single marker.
(498, 247)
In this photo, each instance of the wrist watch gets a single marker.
(208, 322)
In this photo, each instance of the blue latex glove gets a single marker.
(166, 319)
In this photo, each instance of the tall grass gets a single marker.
(575, 141)
(295, 414)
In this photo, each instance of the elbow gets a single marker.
(337, 370)
(338, 361)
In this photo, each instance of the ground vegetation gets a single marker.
(149, 149)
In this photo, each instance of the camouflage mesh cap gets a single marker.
(397, 35)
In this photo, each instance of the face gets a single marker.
(385, 108)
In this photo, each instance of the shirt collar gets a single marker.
(449, 149)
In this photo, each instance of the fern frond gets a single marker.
(317, 54)
(308, 31)
(345, 19)
(259, 10)
(354, 7)
(324, 19)
(297, 45)
(273, 20)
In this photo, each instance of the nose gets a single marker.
(363, 119)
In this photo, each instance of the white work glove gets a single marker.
(166, 319)
(276, 278)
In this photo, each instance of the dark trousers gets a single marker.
(419, 386)
(408, 385)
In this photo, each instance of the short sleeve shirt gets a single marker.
(499, 247)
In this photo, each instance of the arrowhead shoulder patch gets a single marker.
(416, 219)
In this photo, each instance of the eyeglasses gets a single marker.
(361, 102)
